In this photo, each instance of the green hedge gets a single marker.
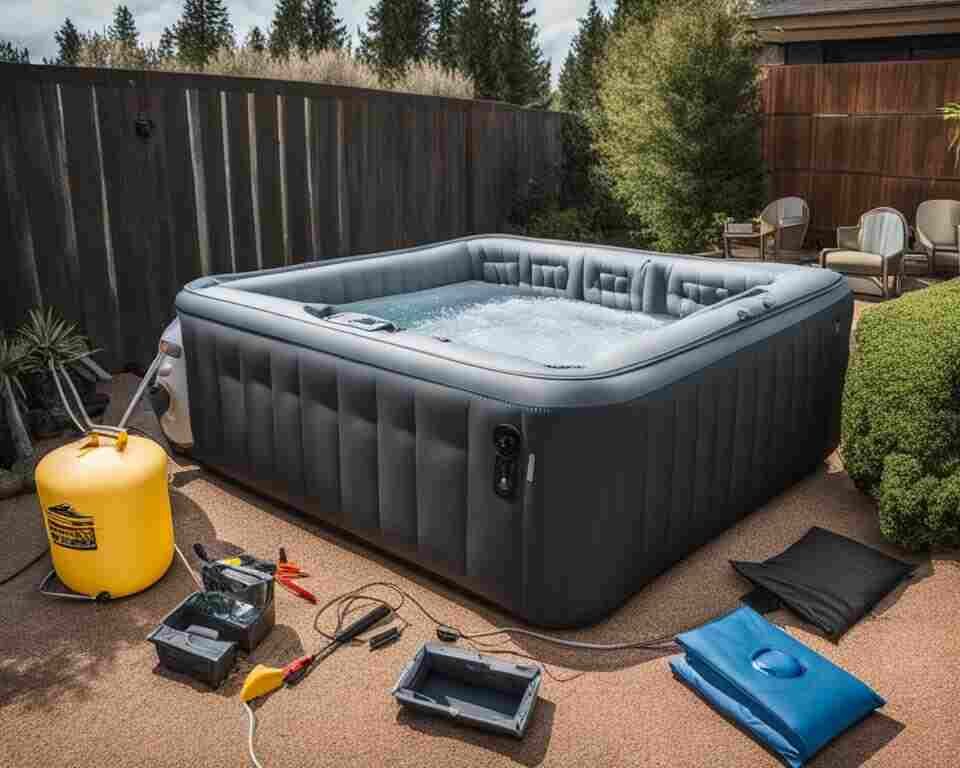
(901, 415)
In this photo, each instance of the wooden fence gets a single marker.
(117, 187)
(850, 137)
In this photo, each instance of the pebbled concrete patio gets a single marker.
(80, 686)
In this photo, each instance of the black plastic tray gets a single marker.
(202, 658)
(468, 687)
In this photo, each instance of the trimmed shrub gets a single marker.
(679, 126)
(901, 415)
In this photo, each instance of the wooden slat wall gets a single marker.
(850, 137)
(237, 174)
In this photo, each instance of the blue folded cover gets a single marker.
(788, 697)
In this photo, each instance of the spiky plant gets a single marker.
(50, 338)
(951, 113)
(15, 361)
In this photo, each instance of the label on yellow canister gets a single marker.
(68, 528)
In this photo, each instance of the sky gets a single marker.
(32, 23)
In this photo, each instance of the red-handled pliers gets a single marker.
(286, 573)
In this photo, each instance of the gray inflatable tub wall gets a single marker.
(624, 466)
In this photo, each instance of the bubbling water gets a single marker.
(548, 330)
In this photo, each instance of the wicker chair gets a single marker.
(874, 248)
(785, 221)
(938, 229)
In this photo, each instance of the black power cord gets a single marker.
(347, 602)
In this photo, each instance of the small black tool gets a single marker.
(362, 624)
(386, 637)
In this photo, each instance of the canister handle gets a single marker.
(95, 434)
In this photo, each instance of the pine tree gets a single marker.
(524, 73)
(203, 28)
(124, 28)
(255, 40)
(477, 35)
(10, 54)
(446, 40)
(398, 32)
(578, 79)
(288, 33)
(167, 47)
(325, 31)
(68, 42)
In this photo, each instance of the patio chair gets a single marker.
(873, 249)
(785, 221)
(938, 229)
(782, 227)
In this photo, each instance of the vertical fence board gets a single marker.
(241, 183)
(324, 175)
(298, 195)
(36, 172)
(157, 222)
(269, 191)
(182, 205)
(83, 165)
(210, 120)
(122, 179)
(20, 267)
(355, 151)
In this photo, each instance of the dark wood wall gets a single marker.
(850, 137)
(118, 187)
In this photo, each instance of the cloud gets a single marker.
(32, 23)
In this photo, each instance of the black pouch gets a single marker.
(825, 578)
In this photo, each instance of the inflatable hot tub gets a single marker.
(548, 424)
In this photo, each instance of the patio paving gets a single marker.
(79, 685)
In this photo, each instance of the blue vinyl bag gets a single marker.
(787, 696)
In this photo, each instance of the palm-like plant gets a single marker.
(15, 360)
(51, 339)
(54, 344)
(951, 113)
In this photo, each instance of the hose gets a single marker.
(193, 573)
(251, 730)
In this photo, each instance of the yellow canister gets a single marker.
(106, 508)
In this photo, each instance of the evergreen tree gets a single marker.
(288, 33)
(203, 28)
(124, 28)
(681, 125)
(325, 31)
(68, 42)
(446, 40)
(578, 80)
(523, 72)
(643, 11)
(398, 32)
(255, 40)
(477, 36)
(10, 54)
(167, 47)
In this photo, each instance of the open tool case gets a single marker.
(201, 636)
(466, 686)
